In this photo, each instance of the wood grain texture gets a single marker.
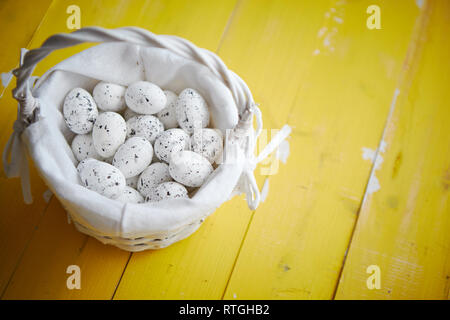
(404, 226)
(16, 34)
(260, 38)
(17, 220)
(56, 245)
(297, 240)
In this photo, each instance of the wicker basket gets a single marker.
(239, 145)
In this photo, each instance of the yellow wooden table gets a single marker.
(359, 211)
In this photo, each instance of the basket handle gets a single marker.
(135, 35)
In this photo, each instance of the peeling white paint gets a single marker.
(373, 185)
(368, 154)
(327, 33)
(383, 146)
(338, 19)
(376, 158)
(234, 296)
(316, 52)
(322, 32)
(378, 161)
(283, 151)
(420, 3)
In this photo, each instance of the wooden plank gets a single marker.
(270, 47)
(404, 227)
(17, 220)
(297, 239)
(200, 22)
(56, 245)
(16, 34)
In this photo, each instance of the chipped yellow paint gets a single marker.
(404, 226)
(297, 239)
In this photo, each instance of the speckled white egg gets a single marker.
(109, 96)
(155, 174)
(130, 195)
(79, 111)
(83, 147)
(191, 110)
(145, 97)
(110, 131)
(167, 190)
(171, 141)
(189, 168)
(132, 182)
(208, 143)
(128, 113)
(82, 164)
(133, 156)
(148, 127)
(102, 178)
(168, 115)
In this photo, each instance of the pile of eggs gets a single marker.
(139, 143)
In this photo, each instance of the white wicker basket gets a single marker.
(130, 227)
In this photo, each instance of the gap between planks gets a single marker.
(238, 254)
(291, 110)
(403, 85)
